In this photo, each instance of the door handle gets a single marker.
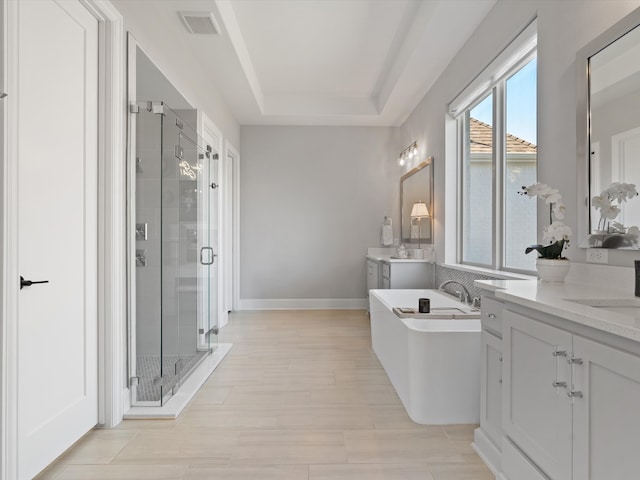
(28, 283)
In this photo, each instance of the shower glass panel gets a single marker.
(174, 252)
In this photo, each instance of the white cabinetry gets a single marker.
(569, 404)
(488, 437)
(407, 274)
(606, 421)
(373, 274)
(536, 408)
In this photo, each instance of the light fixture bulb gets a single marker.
(415, 150)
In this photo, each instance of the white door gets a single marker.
(57, 126)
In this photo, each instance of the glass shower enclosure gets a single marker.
(173, 313)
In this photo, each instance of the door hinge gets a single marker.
(214, 156)
(179, 123)
(3, 95)
(179, 151)
(134, 381)
(134, 108)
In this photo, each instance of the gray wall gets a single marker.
(564, 27)
(312, 200)
(178, 65)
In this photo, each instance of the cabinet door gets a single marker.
(373, 274)
(606, 418)
(537, 414)
(491, 388)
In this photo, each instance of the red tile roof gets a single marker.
(482, 140)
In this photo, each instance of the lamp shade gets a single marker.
(419, 210)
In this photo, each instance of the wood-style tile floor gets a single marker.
(301, 396)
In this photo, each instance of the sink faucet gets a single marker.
(462, 294)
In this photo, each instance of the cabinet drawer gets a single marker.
(386, 270)
(515, 466)
(492, 315)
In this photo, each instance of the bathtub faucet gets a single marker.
(463, 294)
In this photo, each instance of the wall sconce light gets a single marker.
(408, 153)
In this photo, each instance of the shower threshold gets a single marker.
(188, 388)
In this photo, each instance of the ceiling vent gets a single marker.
(202, 23)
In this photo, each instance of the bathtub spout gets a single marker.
(463, 294)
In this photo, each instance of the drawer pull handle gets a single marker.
(577, 361)
(559, 384)
(492, 315)
(574, 394)
(559, 353)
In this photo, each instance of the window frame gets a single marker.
(497, 88)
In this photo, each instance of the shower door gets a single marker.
(175, 253)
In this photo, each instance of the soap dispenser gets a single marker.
(402, 251)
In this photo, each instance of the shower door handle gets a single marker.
(212, 256)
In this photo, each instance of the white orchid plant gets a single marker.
(606, 203)
(557, 233)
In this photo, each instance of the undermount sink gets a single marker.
(623, 306)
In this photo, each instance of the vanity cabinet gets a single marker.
(373, 274)
(606, 421)
(569, 404)
(536, 409)
(488, 437)
(407, 274)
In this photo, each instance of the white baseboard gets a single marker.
(487, 452)
(304, 303)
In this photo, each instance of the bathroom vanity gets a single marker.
(383, 271)
(560, 381)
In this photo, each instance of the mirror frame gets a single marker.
(423, 240)
(583, 133)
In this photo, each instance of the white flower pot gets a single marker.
(552, 270)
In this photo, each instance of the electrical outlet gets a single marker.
(597, 255)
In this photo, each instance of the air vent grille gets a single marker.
(201, 23)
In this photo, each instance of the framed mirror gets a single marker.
(608, 133)
(416, 187)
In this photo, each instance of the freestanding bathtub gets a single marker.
(434, 364)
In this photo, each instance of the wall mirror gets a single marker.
(417, 186)
(608, 130)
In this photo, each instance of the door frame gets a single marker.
(111, 315)
(230, 152)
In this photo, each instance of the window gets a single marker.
(496, 117)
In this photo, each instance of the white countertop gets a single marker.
(551, 298)
(390, 259)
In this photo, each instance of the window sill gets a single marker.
(498, 274)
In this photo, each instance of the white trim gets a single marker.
(304, 304)
(487, 451)
(111, 214)
(209, 129)
(521, 47)
(231, 151)
(9, 337)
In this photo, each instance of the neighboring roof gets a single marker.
(482, 140)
